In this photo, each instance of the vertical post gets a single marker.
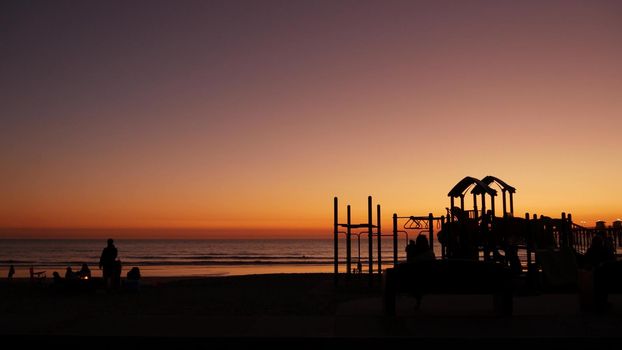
(394, 240)
(512, 203)
(528, 226)
(462, 202)
(563, 234)
(475, 205)
(336, 237)
(443, 229)
(451, 207)
(483, 203)
(379, 240)
(431, 230)
(505, 210)
(494, 225)
(349, 243)
(537, 227)
(370, 231)
(529, 230)
(529, 239)
(492, 207)
(570, 236)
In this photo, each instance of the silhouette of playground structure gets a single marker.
(468, 234)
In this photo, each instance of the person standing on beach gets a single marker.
(107, 262)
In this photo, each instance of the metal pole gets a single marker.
(379, 240)
(505, 210)
(348, 243)
(431, 230)
(462, 202)
(570, 237)
(563, 230)
(451, 207)
(530, 235)
(492, 207)
(336, 237)
(371, 238)
(443, 229)
(394, 240)
(483, 203)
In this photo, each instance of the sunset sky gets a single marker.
(245, 118)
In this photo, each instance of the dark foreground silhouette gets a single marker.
(297, 305)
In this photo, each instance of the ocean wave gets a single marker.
(228, 256)
(16, 262)
(93, 265)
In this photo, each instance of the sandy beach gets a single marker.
(288, 306)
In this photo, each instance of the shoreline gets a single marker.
(196, 271)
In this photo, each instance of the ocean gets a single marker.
(162, 258)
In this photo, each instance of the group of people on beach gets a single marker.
(419, 249)
(83, 274)
(108, 263)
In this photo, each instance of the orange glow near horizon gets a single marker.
(240, 119)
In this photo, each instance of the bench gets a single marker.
(449, 277)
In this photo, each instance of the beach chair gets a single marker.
(36, 275)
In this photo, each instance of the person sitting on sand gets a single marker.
(133, 279)
(422, 249)
(133, 274)
(85, 272)
(411, 251)
(70, 275)
(56, 279)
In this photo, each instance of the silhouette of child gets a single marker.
(133, 279)
(422, 249)
(56, 279)
(11, 272)
(411, 251)
(116, 274)
(133, 274)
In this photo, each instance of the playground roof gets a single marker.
(464, 185)
(490, 179)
